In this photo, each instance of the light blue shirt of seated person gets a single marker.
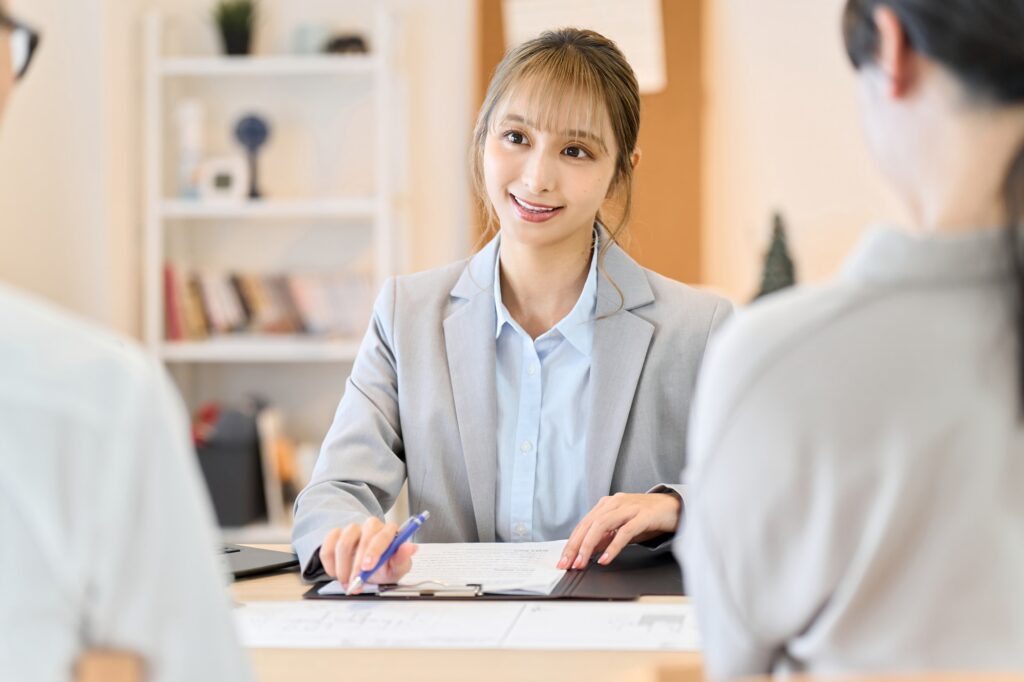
(543, 389)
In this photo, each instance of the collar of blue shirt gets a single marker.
(577, 327)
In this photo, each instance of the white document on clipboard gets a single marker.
(498, 567)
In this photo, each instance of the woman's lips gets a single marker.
(532, 212)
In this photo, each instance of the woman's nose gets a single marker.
(539, 173)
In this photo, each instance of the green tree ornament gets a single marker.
(779, 271)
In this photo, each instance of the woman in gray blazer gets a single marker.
(858, 447)
(540, 390)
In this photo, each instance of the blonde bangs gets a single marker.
(560, 91)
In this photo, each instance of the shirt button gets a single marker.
(526, 446)
(520, 529)
(531, 370)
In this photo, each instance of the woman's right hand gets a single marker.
(347, 552)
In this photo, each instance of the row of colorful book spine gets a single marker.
(199, 304)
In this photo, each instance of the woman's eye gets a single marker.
(514, 137)
(576, 152)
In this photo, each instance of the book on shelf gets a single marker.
(173, 322)
(203, 303)
(193, 309)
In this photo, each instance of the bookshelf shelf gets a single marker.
(356, 207)
(260, 348)
(345, 65)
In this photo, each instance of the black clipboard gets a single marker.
(637, 571)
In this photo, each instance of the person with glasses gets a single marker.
(107, 531)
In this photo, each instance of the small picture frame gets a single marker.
(224, 178)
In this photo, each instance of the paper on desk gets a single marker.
(569, 626)
(603, 626)
(374, 624)
(501, 567)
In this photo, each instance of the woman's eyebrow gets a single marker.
(574, 134)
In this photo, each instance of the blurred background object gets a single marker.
(236, 20)
(779, 271)
(228, 447)
(346, 44)
(252, 132)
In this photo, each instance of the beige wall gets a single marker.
(782, 131)
(70, 147)
(54, 224)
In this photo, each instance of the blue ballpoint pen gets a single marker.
(404, 533)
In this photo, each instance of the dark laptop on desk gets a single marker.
(245, 561)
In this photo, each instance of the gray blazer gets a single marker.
(421, 405)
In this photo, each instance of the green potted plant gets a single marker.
(236, 20)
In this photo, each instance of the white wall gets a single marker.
(70, 147)
(54, 236)
(782, 133)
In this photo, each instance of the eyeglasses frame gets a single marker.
(12, 24)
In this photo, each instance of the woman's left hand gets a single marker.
(617, 520)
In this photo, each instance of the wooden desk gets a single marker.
(409, 665)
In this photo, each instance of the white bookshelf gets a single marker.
(351, 207)
(255, 349)
(229, 366)
(340, 65)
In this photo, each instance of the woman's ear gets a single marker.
(895, 57)
(634, 158)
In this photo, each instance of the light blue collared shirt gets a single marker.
(543, 412)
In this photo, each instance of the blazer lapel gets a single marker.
(469, 344)
(621, 340)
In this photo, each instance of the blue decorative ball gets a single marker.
(252, 132)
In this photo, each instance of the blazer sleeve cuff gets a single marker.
(308, 550)
(663, 542)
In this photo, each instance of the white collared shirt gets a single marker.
(543, 387)
(109, 538)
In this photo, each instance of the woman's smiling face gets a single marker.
(547, 179)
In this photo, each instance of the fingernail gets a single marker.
(367, 563)
(564, 561)
(578, 563)
(604, 559)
